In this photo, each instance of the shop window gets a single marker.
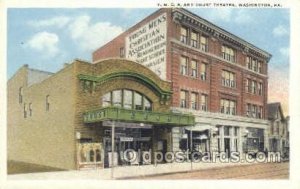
(183, 99)
(117, 98)
(98, 155)
(204, 102)
(128, 99)
(194, 67)
(21, 95)
(236, 129)
(226, 131)
(203, 70)
(147, 104)
(194, 101)
(183, 34)
(203, 44)
(184, 65)
(47, 103)
(92, 156)
(228, 53)
(194, 39)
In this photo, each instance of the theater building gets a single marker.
(65, 119)
(172, 82)
(215, 75)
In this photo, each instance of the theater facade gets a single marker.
(65, 120)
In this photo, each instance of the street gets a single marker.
(254, 171)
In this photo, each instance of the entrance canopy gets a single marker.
(138, 116)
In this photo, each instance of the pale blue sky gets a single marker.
(47, 38)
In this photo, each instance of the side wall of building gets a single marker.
(38, 132)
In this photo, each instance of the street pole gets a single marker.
(112, 149)
(191, 145)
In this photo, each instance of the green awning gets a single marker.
(128, 115)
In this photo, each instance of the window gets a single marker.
(226, 131)
(183, 35)
(194, 39)
(228, 53)
(117, 98)
(106, 100)
(30, 109)
(204, 102)
(228, 79)
(260, 87)
(128, 99)
(138, 101)
(194, 101)
(183, 99)
(203, 44)
(25, 111)
(147, 104)
(184, 65)
(194, 66)
(259, 113)
(253, 64)
(236, 131)
(248, 110)
(228, 106)
(254, 111)
(21, 95)
(203, 70)
(259, 67)
(122, 52)
(254, 87)
(47, 103)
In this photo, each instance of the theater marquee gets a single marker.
(147, 45)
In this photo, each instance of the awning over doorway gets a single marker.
(128, 115)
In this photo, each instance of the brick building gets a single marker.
(217, 76)
(172, 82)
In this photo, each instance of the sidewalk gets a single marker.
(122, 172)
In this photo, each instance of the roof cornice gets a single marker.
(183, 15)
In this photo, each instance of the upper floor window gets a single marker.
(25, 111)
(260, 88)
(47, 103)
(122, 52)
(183, 34)
(183, 99)
(228, 79)
(194, 101)
(253, 64)
(21, 95)
(228, 53)
(194, 39)
(194, 67)
(127, 99)
(204, 43)
(254, 111)
(204, 102)
(183, 65)
(203, 70)
(228, 106)
(254, 87)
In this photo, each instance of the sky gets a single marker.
(45, 38)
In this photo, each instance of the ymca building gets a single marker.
(172, 82)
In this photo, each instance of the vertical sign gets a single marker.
(147, 45)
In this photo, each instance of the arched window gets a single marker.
(21, 95)
(128, 99)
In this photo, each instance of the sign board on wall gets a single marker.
(147, 45)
